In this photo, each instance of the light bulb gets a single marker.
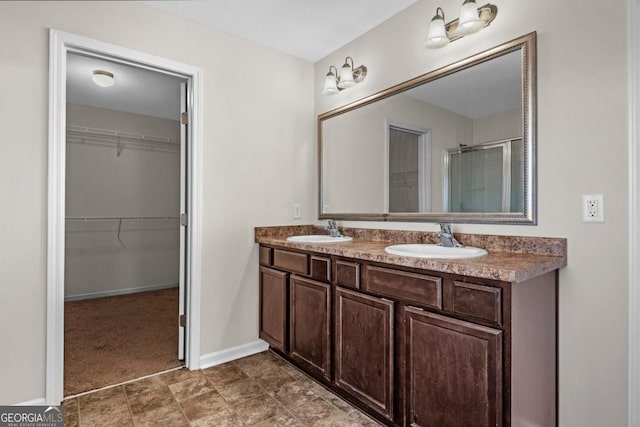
(469, 21)
(437, 36)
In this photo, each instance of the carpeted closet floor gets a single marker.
(115, 339)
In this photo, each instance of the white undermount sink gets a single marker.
(435, 251)
(318, 238)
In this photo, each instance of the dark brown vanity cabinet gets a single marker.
(364, 349)
(454, 372)
(310, 333)
(295, 308)
(273, 307)
(414, 347)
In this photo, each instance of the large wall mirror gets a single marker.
(457, 144)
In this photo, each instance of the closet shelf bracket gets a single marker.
(120, 146)
(120, 228)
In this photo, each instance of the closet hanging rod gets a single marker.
(104, 133)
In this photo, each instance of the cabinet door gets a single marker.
(453, 373)
(273, 307)
(364, 349)
(309, 340)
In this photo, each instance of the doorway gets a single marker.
(61, 46)
(124, 195)
(407, 187)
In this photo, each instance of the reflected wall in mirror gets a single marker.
(456, 144)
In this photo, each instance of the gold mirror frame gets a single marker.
(527, 45)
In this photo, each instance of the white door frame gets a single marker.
(633, 46)
(424, 163)
(61, 43)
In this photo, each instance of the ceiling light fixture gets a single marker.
(348, 77)
(103, 78)
(472, 19)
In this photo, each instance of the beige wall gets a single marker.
(500, 126)
(137, 182)
(582, 149)
(258, 144)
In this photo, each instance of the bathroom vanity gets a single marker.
(415, 341)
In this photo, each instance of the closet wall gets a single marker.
(106, 255)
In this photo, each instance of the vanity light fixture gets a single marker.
(349, 76)
(472, 19)
(437, 36)
(103, 78)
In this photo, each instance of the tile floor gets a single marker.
(259, 390)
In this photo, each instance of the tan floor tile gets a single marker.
(260, 390)
(294, 394)
(225, 418)
(103, 406)
(115, 417)
(71, 413)
(240, 391)
(190, 388)
(259, 409)
(179, 375)
(167, 415)
(144, 385)
(337, 420)
(338, 402)
(363, 419)
(293, 371)
(204, 405)
(316, 411)
(108, 397)
(71, 405)
(273, 378)
(145, 396)
(224, 374)
(258, 363)
(283, 420)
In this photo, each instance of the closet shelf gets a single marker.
(89, 135)
(117, 220)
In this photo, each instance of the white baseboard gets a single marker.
(233, 353)
(119, 292)
(35, 402)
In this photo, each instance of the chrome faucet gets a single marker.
(446, 237)
(332, 228)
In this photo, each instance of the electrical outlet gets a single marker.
(592, 208)
(297, 211)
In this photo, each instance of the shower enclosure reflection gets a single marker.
(485, 177)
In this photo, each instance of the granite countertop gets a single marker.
(509, 259)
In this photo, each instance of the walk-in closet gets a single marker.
(122, 225)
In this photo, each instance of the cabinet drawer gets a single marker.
(291, 261)
(415, 288)
(265, 255)
(321, 268)
(347, 274)
(478, 301)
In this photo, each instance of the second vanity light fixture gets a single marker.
(348, 77)
(472, 19)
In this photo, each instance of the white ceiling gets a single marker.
(307, 29)
(489, 88)
(136, 90)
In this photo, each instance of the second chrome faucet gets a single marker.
(332, 228)
(446, 237)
